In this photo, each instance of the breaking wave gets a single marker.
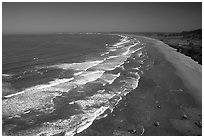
(105, 75)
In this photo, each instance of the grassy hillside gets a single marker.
(186, 42)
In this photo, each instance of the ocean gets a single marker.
(59, 84)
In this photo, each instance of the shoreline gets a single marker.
(163, 104)
(163, 101)
(46, 97)
(188, 69)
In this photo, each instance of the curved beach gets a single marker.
(102, 69)
(168, 100)
(187, 69)
(137, 86)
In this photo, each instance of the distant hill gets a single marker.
(192, 34)
(198, 31)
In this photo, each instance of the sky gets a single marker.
(49, 17)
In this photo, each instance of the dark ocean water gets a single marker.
(59, 84)
(22, 54)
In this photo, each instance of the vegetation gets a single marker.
(186, 42)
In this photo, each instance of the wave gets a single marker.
(92, 107)
(41, 94)
(76, 66)
(101, 91)
(38, 87)
(7, 75)
(99, 102)
(49, 129)
(140, 54)
(109, 78)
(124, 40)
(78, 73)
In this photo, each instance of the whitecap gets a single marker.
(101, 91)
(7, 76)
(78, 73)
(26, 112)
(112, 57)
(111, 64)
(38, 87)
(140, 54)
(42, 95)
(128, 49)
(137, 68)
(91, 107)
(76, 66)
(109, 78)
(71, 102)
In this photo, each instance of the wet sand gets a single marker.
(167, 101)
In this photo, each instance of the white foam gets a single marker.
(140, 54)
(26, 112)
(137, 49)
(54, 83)
(77, 66)
(109, 78)
(38, 87)
(137, 68)
(111, 64)
(105, 53)
(79, 122)
(112, 49)
(100, 117)
(102, 54)
(101, 91)
(122, 67)
(7, 75)
(99, 102)
(88, 77)
(112, 57)
(89, 121)
(121, 43)
(129, 84)
(71, 102)
(80, 80)
(78, 73)
(118, 100)
(95, 100)
(29, 100)
(128, 49)
(52, 90)
(123, 40)
(134, 82)
(135, 73)
(11, 95)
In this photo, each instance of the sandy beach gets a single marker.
(102, 68)
(168, 100)
(138, 86)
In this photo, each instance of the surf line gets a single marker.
(40, 87)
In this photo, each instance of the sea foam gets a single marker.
(41, 96)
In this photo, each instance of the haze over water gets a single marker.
(100, 17)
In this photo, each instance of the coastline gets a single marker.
(161, 100)
(163, 104)
(188, 70)
(90, 104)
